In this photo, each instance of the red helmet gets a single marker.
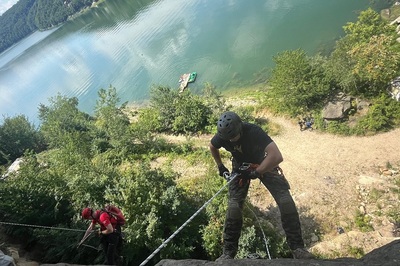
(87, 213)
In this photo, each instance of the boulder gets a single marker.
(337, 109)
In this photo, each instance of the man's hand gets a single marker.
(254, 175)
(250, 174)
(222, 169)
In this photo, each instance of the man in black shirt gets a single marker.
(248, 143)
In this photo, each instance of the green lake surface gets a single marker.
(133, 45)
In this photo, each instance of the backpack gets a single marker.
(116, 213)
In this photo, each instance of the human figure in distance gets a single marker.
(248, 143)
(109, 232)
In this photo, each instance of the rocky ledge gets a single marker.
(388, 255)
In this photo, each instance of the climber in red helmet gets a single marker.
(109, 232)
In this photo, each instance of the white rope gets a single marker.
(266, 241)
(232, 177)
(44, 227)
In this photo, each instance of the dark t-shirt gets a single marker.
(250, 148)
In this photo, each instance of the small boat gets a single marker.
(185, 79)
(192, 77)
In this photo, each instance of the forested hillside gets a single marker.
(27, 16)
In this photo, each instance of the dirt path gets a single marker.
(311, 157)
(332, 176)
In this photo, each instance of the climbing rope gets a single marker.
(230, 179)
(44, 227)
(266, 241)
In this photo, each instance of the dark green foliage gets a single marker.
(369, 24)
(53, 189)
(367, 58)
(164, 99)
(64, 126)
(37, 196)
(60, 245)
(112, 124)
(154, 208)
(17, 135)
(383, 115)
(298, 83)
(27, 16)
(172, 112)
(15, 24)
(191, 115)
(252, 237)
(50, 13)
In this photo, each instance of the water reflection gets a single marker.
(133, 45)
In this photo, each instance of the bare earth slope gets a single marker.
(331, 178)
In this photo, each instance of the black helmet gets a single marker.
(229, 125)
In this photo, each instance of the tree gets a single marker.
(64, 126)
(155, 208)
(164, 100)
(366, 59)
(36, 196)
(177, 113)
(369, 23)
(112, 123)
(191, 115)
(17, 135)
(298, 82)
(376, 62)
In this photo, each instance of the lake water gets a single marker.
(133, 45)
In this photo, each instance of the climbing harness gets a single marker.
(229, 178)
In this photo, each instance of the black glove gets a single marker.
(222, 169)
(254, 175)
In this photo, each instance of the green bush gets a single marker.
(383, 115)
(362, 221)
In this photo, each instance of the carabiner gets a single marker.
(245, 166)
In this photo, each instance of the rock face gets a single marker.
(338, 108)
(388, 255)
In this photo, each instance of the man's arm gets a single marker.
(216, 155)
(272, 159)
(217, 158)
(106, 222)
(109, 230)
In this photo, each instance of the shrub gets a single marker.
(383, 115)
(363, 222)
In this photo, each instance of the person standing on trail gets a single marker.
(248, 143)
(109, 232)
